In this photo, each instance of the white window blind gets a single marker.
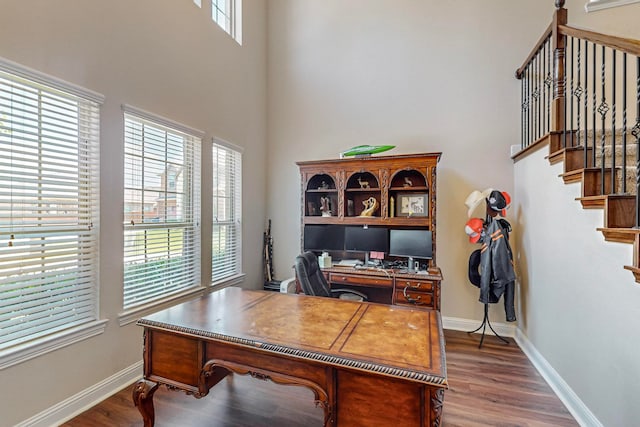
(227, 211)
(49, 183)
(161, 210)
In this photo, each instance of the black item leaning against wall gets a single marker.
(270, 284)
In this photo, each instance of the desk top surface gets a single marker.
(385, 339)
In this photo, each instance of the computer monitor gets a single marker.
(366, 239)
(323, 238)
(411, 244)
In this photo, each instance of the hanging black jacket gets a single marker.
(497, 275)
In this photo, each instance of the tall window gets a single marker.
(49, 136)
(228, 15)
(161, 208)
(227, 211)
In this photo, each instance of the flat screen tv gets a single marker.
(361, 239)
(323, 238)
(410, 244)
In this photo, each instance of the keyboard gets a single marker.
(348, 262)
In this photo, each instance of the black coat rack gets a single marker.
(483, 326)
(485, 320)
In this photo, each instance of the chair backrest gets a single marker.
(311, 279)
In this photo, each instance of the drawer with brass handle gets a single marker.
(350, 279)
(422, 285)
(407, 296)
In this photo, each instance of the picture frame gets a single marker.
(412, 204)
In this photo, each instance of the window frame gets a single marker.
(88, 121)
(594, 5)
(235, 221)
(234, 17)
(132, 311)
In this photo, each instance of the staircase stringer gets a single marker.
(619, 209)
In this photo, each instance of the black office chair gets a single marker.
(313, 282)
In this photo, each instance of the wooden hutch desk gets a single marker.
(344, 185)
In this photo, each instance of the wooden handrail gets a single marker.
(545, 36)
(619, 43)
(622, 44)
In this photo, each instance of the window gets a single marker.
(161, 208)
(227, 211)
(49, 166)
(228, 15)
(605, 4)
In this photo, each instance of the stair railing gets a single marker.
(582, 89)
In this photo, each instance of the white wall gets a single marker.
(424, 75)
(578, 307)
(166, 57)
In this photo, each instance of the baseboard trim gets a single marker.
(458, 324)
(567, 396)
(80, 402)
(576, 407)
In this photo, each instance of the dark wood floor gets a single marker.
(492, 386)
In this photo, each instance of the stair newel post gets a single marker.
(571, 89)
(559, 76)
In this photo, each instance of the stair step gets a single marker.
(635, 271)
(592, 202)
(619, 209)
(620, 235)
(591, 179)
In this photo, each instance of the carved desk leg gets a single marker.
(437, 399)
(143, 399)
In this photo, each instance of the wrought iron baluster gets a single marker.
(524, 106)
(533, 99)
(603, 108)
(564, 95)
(528, 103)
(586, 102)
(577, 92)
(548, 82)
(623, 189)
(572, 92)
(636, 133)
(594, 109)
(613, 122)
(543, 75)
(523, 143)
(539, 60)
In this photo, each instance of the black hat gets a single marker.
(497, 202)
(474, 267)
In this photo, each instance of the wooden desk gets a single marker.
(367, 364)
(388, 286)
